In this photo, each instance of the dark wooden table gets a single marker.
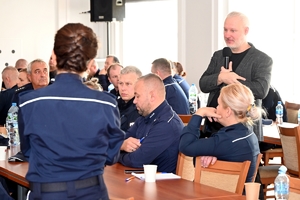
(114, 177)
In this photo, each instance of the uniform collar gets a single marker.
(155, 113)
(65, 77)
(169, 79)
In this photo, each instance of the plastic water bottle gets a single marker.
(299, 116)
(279, 112)
(282, 184)
(12, 125)
(193, 91)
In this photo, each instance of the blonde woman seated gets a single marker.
(93, 84)
(235, 141)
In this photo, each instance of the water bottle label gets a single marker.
(282, 188)
(279, 112)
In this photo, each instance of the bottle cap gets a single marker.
(282, 169)
(279, 102)
(14, 104)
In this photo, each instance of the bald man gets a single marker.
(21, 64)
(154, 137)
(10, 78)
(248, 65)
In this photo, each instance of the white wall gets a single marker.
(29, 26)
(150, 32)
(199, 24)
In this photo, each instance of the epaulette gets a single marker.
(24, 88)
(20, 89)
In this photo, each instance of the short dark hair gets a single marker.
(162, 65)
(115, 59)
(113, 66)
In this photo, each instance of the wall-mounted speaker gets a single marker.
(106, 10)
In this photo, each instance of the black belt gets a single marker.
(62, 186)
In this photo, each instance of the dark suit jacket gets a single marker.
(256, 67)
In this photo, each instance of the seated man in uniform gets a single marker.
(113, 73)
(154, 137)
(38, 75)
(128, 112)
(10, 79)
(174, 93)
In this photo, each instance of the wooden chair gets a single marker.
(267, 177)
(294, 188)
(185, 118)
(272, 153)
(185, 167)
(257, 166)
(292, 111)
(229, 176)
(290, 140)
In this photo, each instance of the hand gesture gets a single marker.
(208, 112)
(227, 76)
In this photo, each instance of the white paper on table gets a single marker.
(159, 176)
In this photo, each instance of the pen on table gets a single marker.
(142, 139)
(129, 179)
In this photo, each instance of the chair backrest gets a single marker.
(229, 176)
(185, 167)
(292, 112)
(294, 188)
(259, 156)
(290, 141)
(185, 118)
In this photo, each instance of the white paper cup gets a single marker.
(150, 173)
(3, 152)
(252, 191)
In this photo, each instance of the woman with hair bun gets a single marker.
(179, 75)
(68, 131)
(93, 84)
(236, 141)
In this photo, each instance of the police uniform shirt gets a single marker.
(68, 131)
(5, 103)
(176, 97)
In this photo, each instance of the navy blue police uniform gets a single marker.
(176, 97)
(5, 103)
(128, 113)
(69, 133)
(161, 131)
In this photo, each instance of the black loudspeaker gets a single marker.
(106, 10)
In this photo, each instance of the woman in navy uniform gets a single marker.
(68, 131)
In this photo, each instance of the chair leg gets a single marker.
(266, 159)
